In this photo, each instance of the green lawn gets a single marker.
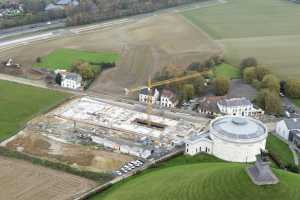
(268, 30)
(280, 149)
(19, 103)
(296, 102)
(64, 58)
(201, 181)
(228, 71)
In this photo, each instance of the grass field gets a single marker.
(64, 58)
(228, 71)
(19, 103)
(280, 149)
(201, 181)
(296, 102)
(267, 30)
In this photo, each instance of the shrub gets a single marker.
(38, 59)
(292, 88)
(249, 74)
(222, 85)
(293, 168)
(269, 101)
(256, 84)
(248, 62)
(261, 72)
(276, 160)
(271, 82)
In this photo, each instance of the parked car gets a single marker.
(135, 163)
(140, 161)
(119, 173)
(131, 165)
(124, 170)
(127, 167)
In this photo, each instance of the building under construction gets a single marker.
(124, 129)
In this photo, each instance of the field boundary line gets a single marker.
(258, 37)
(199, 6)
(220, 45)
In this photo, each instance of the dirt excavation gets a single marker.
(23, 180)
(146, 46)
(79, 156)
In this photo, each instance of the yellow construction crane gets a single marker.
(151, 85)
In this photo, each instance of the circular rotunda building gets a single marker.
(237, 139)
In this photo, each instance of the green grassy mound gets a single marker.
(206, 181)
(19, 103)
(64, 58)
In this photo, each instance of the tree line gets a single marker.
(269, 86)
(96, 10)
(87, 11)
(188, 89)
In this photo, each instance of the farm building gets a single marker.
(168, 99)
(71, 80)
(208, 105)
(144, 96)
(239, 107)
(288, 128)
(213, 105)
(231, 138)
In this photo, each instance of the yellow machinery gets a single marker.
(151, 85)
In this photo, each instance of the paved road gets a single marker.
(288, 103)
(35, 83)
(31, 28)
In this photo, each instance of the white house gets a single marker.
(230, 138)
(71, 80)
(198, 143)
(239, 107)
(168, 99)
(285, 128)
(145, 95)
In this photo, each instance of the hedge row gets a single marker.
(290, 166)
(96, 176)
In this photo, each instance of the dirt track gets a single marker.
(21, 180)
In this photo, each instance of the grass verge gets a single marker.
(280, 149)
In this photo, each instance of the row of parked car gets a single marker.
(129, 166)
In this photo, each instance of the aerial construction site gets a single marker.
(98, 135)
